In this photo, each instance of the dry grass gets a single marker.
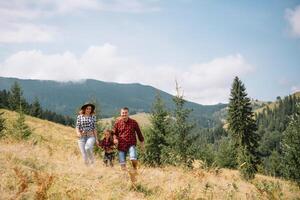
(49, 166)
(43, 184)
(142, 118)
(23, 182)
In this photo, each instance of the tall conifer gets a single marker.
(242, 126)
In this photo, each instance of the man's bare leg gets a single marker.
(134, 164)
(133, 172)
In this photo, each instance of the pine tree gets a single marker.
(227, 154)
(158, 133)
(273, 164)
(291, 148)
(271, 126)
(16, 98)
(2, 125)
(21, 129)
(242, 127)
(4, 99)
(182, 131)
(36, 109)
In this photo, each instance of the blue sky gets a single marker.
(201, 43)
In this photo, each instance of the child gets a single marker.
(107, 145)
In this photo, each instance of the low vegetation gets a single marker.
(48, 165)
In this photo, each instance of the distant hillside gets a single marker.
(66, 97)
(255, 104)
(272, 105)
(142, 118)
(49, 166)
(257, 107)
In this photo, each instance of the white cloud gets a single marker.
(129, 6)
(210, 82)
(26, 32)
(17, 23)
(295, 88)
(32, 9)
(206, 83)
(293, 17)
(18, 17)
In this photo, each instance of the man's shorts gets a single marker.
(132, 154)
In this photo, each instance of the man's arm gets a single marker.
(140, 136)
(138, 132)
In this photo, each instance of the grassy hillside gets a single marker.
(143, 119)
(49, 166)
(257, 106)
(272, 105)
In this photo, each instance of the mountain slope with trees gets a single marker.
(66, 97)
(13, 99)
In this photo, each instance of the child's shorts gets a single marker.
(108, 156)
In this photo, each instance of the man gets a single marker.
(125, 131)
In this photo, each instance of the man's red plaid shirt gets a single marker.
(126, 133)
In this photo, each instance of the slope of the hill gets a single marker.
(257, 107)
(49, 166)
(273, 104)
(143, 119)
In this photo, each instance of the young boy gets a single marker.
(107, 145)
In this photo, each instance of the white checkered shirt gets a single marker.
(86, 123)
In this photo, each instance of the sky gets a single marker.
(203, 44)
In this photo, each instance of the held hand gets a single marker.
(98, 143)
(78, 134)
(116, 141)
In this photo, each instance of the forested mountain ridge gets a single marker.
(66, 97)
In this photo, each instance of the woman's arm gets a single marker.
(78, 123)
(95, 129)
(78, 132)
(96, 137)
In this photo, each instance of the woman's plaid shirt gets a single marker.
(86, 123)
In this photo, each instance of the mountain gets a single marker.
(256, 105)
(67, 97)
(49, 166)
(274, 104)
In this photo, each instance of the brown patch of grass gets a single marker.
(43, 184)
(199, 174)
(23, 181)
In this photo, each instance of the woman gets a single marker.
(86, 132)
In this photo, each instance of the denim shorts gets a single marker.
(132, 154)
